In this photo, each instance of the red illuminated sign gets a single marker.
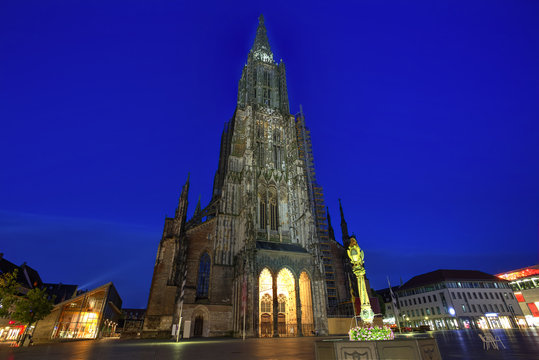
(533, 309)
(519, 274)
(520, 297)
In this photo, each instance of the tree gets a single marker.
(9, 289)
(24, 308)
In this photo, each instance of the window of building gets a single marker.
(262, 212)
(459, 295)
(497, 296)
(434, 297)
(422, 312)
(274, 216)
(428, 311)
(266, 88)
(282, 303)
(277, 149)
(473, 308)
(260, 154)
(453, 295)
(438, 310)
(496, 307)
(429, 298)
(424, 300)
(491, 308)
(480, 296)
(266, 304)
(415, 303)
(491, 296)
(464, 308)
(203, 282)
(475, 295)
(505, 295)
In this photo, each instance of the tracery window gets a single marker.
(277, 149)
(262, 212)
(282, 303)
(266, 88)
(274, 213)
(266, 304)
(203, 282)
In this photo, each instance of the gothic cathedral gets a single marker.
(252, 257)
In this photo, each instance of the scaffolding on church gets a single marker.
(318, 208)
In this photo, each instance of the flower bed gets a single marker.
(371, 333)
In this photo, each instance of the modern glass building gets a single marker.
(90, 315)
(525, 285)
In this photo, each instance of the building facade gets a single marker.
(250, 261)
(525, 285)
(458, 299)
(90, 315)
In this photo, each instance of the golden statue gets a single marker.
(356, 258)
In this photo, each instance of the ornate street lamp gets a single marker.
(356, 258)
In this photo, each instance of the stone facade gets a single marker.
(259, 220)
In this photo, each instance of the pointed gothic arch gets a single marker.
(306, 301)
(265, 299)
(286, 290)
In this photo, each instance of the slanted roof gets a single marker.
(441, 275)
(31, 276)
(26, 276)
(60, 292)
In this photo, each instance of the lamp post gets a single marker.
(356, 258)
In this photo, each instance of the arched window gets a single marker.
(266, 305)
(277, 149)
(274, 212)
(262, 212)
(203, 282)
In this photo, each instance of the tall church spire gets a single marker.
(181, 210)
(263, 82)
(261, 47)
(344, 228)
(331, 232)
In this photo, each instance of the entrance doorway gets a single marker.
(199, 326)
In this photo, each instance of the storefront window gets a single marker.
(80, 319)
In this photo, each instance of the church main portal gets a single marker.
(285, 300)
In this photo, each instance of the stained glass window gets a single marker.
(203, 283)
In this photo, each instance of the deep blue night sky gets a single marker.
(424, 119)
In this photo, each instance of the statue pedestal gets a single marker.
(377, 322)
(405, 349)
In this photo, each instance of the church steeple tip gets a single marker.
(261, 47)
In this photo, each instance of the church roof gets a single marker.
(266, 245)
(441, 275)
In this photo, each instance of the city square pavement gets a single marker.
(457, 344)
